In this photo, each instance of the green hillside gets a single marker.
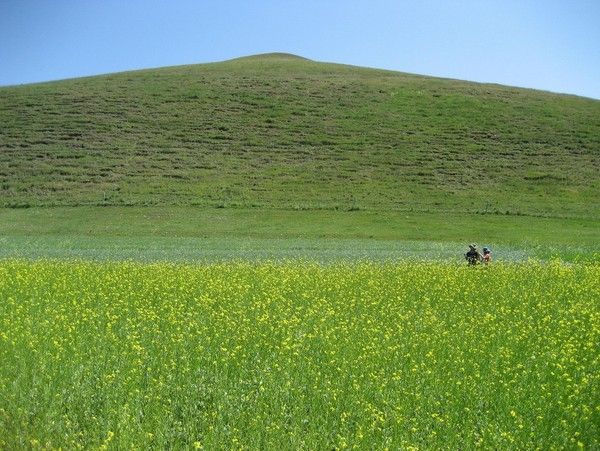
(282, 132)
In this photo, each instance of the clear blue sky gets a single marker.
(544, 44)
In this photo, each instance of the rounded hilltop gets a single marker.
(271, 56)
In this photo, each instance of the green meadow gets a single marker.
(206, 235)
(267, 253)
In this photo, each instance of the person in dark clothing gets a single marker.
(473, 256)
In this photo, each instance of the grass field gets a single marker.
(299, 355)
(278, 132)
(266, 253)
(199, 234)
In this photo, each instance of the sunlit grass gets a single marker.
(281, 133)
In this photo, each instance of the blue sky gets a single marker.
(545, 44)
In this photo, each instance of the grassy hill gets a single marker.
(282, 132)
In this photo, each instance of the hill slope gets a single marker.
(278, 131)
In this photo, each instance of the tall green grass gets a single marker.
(298, 355)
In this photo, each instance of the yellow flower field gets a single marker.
(299, 355)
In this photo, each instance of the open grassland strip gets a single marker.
(298, 355)
(324, 250)
(268, 223)
(183, 233)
